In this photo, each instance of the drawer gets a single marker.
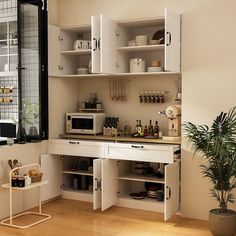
(141, 152)
(76, 148)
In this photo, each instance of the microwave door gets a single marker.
(82, 123)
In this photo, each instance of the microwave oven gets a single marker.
(85, 123)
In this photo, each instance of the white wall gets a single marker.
(208, 66)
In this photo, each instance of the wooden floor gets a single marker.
(74, 218)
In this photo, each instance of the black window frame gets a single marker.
(43, 65)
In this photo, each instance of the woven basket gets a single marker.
(36, 178)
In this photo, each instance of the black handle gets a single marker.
(96, 44)
(136, 146)
(74, 142)
(99, 43)
(96, 184)
(169, 36)
(169, 194)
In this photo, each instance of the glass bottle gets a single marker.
(145, 131)
(140, 127)
(150, 129)
(137, 126)
(156, 130)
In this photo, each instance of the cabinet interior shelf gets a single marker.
(33, 185)
(79, 191)
(141, 178)
(77, 52)
(77, 172)
(142, 48)
(146, 200)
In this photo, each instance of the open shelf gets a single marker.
(142, 178)
(77, 172)
(142, 48)
(77, 52)
(33, 185)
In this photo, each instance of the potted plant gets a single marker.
(30, 115)
(217, 145)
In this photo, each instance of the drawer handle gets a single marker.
(136, 146)
(73, 142)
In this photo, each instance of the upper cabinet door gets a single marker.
(108, 45)
(96, 185)
(109, 183)
(54, 47)
(172, 41)
(171, 189)
(95, 20)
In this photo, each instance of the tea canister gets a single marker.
(137, 65)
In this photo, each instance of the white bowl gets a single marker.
(154, 42)
(141, 40)
(155, 69)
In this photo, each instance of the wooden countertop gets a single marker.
(118, 139)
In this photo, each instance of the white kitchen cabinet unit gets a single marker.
(62, 58)
(110, 53)
(112, 174)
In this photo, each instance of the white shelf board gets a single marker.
(77, 52)
(141, 178)
(148, 204)
(77, 172)
(82, 76)
(33, 185)
(157, 47)
(163, 73)
(152, 21)
(77, 28)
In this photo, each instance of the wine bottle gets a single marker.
(156, 130)
(150, 129)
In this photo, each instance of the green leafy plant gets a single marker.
(30, 112)
(217, 145)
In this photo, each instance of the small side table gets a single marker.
(31, 186)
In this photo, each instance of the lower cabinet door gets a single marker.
(96, 184)
(51, 167)
(171, 190)
(109, 183)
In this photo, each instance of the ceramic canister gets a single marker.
(137, 65)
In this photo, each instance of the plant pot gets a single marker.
(222, 223)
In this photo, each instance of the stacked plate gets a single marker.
(152, 193)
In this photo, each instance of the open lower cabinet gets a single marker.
(109, 182)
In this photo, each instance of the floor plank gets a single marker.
(77, 218)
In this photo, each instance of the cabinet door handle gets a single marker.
(99, 43)
(95, 43)
(168, 196)
(136, 146)
(169, 38)
(73, 142)
(97, 184)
